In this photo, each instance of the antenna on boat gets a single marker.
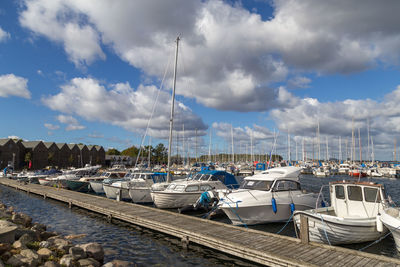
(171, 121)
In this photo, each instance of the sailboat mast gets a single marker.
(171, 121)
(233, 153)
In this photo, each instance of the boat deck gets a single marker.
(252, 245)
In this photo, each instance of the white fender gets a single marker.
(379, 224)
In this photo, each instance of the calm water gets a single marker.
(146, 248)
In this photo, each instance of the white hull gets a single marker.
(112, 192)
(260, 214)
(140, 195)
(168, 200)
(323, 227)
(97, 187)
(392, 222)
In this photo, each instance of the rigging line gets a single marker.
(153, 109)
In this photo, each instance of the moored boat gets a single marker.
(181, 193)
(391, 219)
(352, 216)
(270, 196)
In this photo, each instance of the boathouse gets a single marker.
(38, 154)
(10, 153)
(41, 154)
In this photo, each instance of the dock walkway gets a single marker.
(256, 246)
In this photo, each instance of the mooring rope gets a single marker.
(326, 234)
(290, 218)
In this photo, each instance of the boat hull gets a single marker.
(114, 192)
(328, 229)
(140, 195)
(260, 214)
(79, 186)
(393, 224)
(168, 200)
(97, 187)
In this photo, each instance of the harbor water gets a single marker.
(147, 248)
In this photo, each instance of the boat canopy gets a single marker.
(289, 173)
(226, 178)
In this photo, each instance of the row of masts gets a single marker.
(274, 146)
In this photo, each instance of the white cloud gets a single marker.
(11, 85)
(299, 82)
(51, 126)
(4, 36)
(228, 51)
(123, 106)
(59, 22)
(231, 57)
(336, 119)
(72, 123)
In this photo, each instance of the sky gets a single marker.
(252, 71)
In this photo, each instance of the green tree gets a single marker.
(113, 151)
(160, 154)
(131, 152)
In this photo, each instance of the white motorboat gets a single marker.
(181, 193)
(391, 219)
(119, 188)
(139, 188)
(270, 196)
(373, 172)
(74, 174)
(352, 216)
(106, 177)
(344, 168)
(322, 171)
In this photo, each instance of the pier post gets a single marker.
(304, 235)
(70, 204)
(185, 242)
(119, 195)
(44, 196)
(109, 218)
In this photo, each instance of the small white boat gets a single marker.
(270, 196)
(352, 216)
(74, 174)
(139, 188)
(117, 190)
(391, 219)
(106, 177)
(181, 193)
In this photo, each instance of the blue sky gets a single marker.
(89, 71)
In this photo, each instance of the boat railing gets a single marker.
(321, 196)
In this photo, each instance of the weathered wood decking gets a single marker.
(260, 247)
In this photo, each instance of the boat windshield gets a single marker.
(196, 177)
(257, 185)
(205, 177)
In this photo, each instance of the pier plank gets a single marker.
(260, 247)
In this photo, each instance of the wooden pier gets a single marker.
(256, 246)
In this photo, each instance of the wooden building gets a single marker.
(38, 154)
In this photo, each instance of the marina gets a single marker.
(256, 246)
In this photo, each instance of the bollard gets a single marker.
(304, 234)
(185, 242)
(119, 195)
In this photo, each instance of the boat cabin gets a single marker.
(357, 199)
(204, 181)
(275, 180)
